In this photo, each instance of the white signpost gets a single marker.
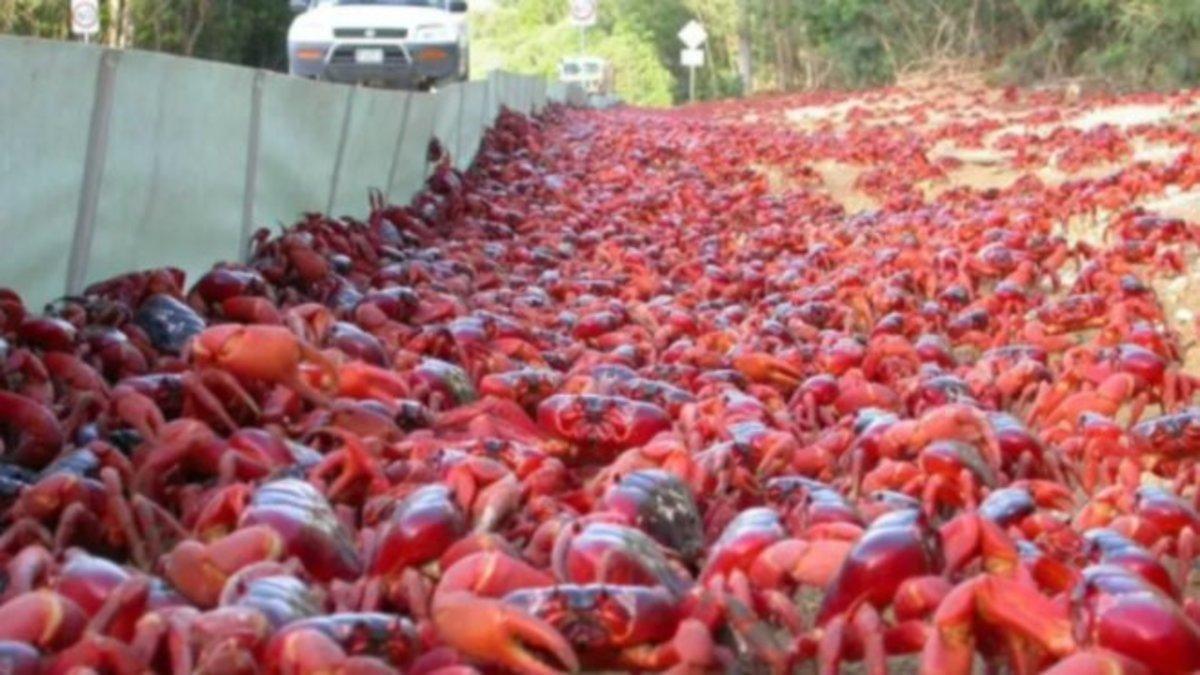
(583, 15)
(85, 18)
(693, 36)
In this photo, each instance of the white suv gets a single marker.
(403, 43)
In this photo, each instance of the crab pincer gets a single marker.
(472, 619)
(262, 353)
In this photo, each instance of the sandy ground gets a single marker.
(838, 180)
(985, 167)
(990, 167)
(1125, 116)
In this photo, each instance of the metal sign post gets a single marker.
(583, 15)
(693, 36)
(85, 18)
(693, 59)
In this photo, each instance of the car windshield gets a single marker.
(570, 69)
(592, 68)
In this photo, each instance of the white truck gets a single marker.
(398, 43)
(592, 73)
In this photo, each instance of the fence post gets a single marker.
(253, 143)
(93, 171)
(462, 103)
(489, 115)
(400, 138)
(341, 149)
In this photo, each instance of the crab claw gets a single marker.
(767, 369)
(265, 353)
(43, 619)
(199, 571)
(492, 632)
(813, 563)
(312, 651)
(471, 620)
(1003, 604)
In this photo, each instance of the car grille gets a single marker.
(391, 55)
(370, 33)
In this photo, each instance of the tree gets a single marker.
(793, 44)
(35, 18)
(535, 35)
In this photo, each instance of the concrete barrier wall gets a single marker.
(115, 161)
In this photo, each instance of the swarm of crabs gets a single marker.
(638, 392)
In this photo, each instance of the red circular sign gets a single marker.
(583, 11)
(85, 16)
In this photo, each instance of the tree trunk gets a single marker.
(973, 45)
(782, 28)
(200, 18)
(156, 22)
(124, 37)
(112, 32)
(745, 47)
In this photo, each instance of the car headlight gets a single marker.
(434, 33)
(309, 31)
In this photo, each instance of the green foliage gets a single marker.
(248, 32)
(1130, 44)
(846, 35)
(797, 44)
(35, 18)
(534, 35)
(792, 44)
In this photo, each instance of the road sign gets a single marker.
(85, 17)
(693, 34)
(583, 12)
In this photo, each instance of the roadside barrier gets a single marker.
(118, 160)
